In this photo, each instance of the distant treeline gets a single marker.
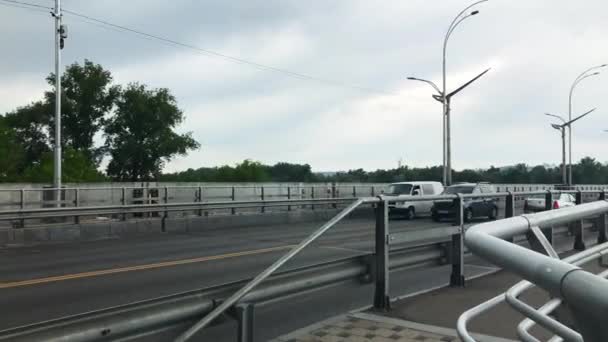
(587, 171)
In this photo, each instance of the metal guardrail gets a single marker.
(585, 294)
(184, 310)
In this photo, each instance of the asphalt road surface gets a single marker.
(49, 281)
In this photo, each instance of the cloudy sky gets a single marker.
(236, 111)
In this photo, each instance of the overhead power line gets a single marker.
(25, 5)
(265, 67)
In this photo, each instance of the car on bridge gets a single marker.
(472, 207)
(406, 190)
(533, 205)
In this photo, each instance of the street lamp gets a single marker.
(443, 95)
(562, 129)
(584, 75)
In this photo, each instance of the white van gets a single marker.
(409, 189)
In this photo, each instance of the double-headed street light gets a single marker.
(444, 97)
(562, 129)
(586, 74)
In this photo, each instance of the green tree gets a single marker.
(87, 97)
(76, 168)
(30, 126)
(140, 136)
(12, 152)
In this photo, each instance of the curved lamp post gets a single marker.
(442, 94)
(562, 129)
(584, 75)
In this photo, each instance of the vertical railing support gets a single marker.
(312, 196)
(579, 239)
(288, 197)
(509, 205)
(77, 204)
(199, 198)
(232, 197)
(457, 250)
(22, 206)
(165, 213)
(334, 194)
(245, 316)
(601, 222)
(123, 202)
(262, 198)
(373, 191)
(510, 209)
(381, 290)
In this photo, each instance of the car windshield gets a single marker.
(400, 189)
(467, 189)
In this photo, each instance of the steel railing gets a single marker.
(585, 294)
(392, 251)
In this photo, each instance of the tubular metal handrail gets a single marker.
(268, 271)
(559, 277)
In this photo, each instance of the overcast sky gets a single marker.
(535, 49)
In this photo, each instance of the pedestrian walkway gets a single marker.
(370, 327)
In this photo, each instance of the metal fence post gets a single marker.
(123, 201)
(22, 206)
(381, 291)
(77, 204)
(457, 250)
(579, 239)
(354, 191)
(262, 198)
(373, 191)
(232, 196)
(509, 205)
(334, 194)
(199, 199)
(312, 196)
(245, 316)
(165, 213)
(548, 200)
(288, 197)
(601, 222)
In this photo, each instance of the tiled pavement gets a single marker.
(363, 328)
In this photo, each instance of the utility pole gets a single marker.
(59, 33)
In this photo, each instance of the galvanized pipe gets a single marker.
(266, 273)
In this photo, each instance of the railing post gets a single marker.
(288, 197)
(510, 209)
(312, 196)
(579, 239)
(22, 206)
(77, 204)
(457, 250)
(123, 201)
(199, 199)
(334, 194)
(549, 200)
(232, 196)
(601, 222)
(262, 198)
(245, 316)
(165, 213)
(373, 191)
(509, 205)
(381, 290)
(354, 191)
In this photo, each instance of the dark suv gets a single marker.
(473, 207)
